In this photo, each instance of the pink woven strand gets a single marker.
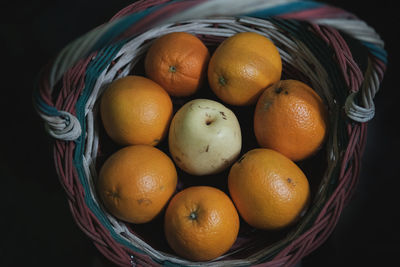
(337, 207)
(70, 178)
(380, 67)
(119, 253)
(273, 263)
(68, 165)
(77, 75)
(79, 210)
(327, 230)
(358, 152)
(350, 70)
(353, 180)
(320, 12)
(353, 174)
(328, 217)
(80, 199)
(341, 184)
(93, 235)
(307, 241)
(299, 252)
(60, 172)
(44, 86)
(110, 255)
(66, 178)
(363, 140)
(316, 229)
(354, 132)
(340, 196)
(137, 7)
(157, 16)
(320, 234)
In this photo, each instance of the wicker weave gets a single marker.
(313, 40)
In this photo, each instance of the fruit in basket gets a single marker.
(242, 67)
(269, 190)
(135, 110)
(204, 137)
(201, 223)
(136, 182)
(291, 118)
(178, 62)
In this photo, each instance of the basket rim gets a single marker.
(348, 170)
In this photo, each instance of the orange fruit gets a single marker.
(269, 190)
(136, 182)
(136, 110)
(201, 223)
(177, 61)
(291, 118)
(242, 66)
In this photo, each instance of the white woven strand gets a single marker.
(92, 155)
(362, 31)
(130, 52)
(368, 90)
(89, 134)
(90, 173)
(297, 55)
(356, 28)
(65, 127)
(125, 55)
(76, 50)
(265, 25)
(214, 8)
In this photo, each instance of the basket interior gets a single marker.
(299, 61)
(249, 240)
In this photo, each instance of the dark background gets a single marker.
(37, 228)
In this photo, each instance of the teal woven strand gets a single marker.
(96, 67)
(285, 9)
(124, 23)
(43, 107)
(105, 57)
(377, 52)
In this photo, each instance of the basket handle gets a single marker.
(141, 15)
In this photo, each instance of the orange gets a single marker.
(178, 62)
(242, 67)
(136, 110)
(136, 182)
(269, 190)
(201, 223)
(291, 118)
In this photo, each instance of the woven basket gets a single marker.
(333, 51)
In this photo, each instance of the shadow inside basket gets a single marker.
(250, 240)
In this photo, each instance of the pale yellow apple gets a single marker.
(204, 137)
